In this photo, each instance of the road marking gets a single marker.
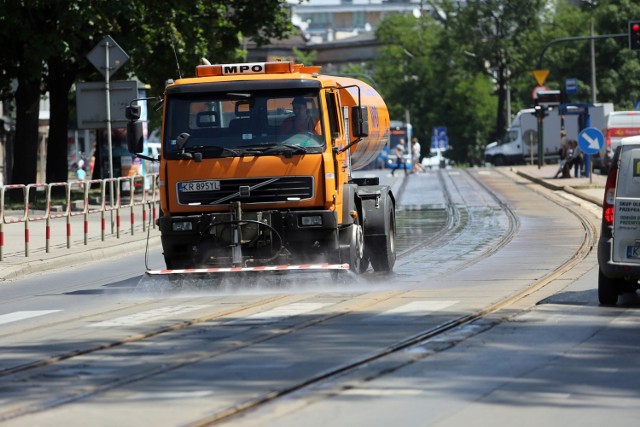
(147, 316)
(414, 308)
(22, 315)
(171, 395)
(378, 392)
(280, 313)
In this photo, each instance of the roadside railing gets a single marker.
(86, 199)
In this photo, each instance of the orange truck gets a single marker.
(256, 171)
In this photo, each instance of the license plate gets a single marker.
(633, 252)
(191, 186)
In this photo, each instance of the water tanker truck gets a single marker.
(256, 171)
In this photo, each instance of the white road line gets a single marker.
(22, 315)
(415, 308)
(279, 313)
(147, 316)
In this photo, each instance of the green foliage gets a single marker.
(455, 67)
(306, 58)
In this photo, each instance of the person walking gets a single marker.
(400, 150)
(415, 149)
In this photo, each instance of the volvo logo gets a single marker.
(244, 191)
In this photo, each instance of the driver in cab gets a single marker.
(302, 121)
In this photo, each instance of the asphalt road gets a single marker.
(168, 356)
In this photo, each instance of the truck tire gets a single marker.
(499, 160)
(357, 262)
(383, 252)
(607, 289)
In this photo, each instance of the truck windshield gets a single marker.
(244, 123)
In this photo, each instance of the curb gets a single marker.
(565, 188)
(36, 265)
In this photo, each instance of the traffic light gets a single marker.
(634, 35)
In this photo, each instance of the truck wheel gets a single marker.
(383, 255)
(607, 289)
(356, 249)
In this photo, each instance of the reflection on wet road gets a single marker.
(447, 219)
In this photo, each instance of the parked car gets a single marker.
(435, 160)
(619, 243)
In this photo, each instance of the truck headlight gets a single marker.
(182, 226)
(311, 220)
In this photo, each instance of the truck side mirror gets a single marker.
(135, 137)
(133, 112)
(359, 121)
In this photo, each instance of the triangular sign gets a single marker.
(540, 76)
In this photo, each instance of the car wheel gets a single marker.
(607, 289)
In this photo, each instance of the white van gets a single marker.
(618, 125)
(619, 243)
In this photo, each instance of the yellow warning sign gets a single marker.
(540, 76)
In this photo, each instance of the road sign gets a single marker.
(91, 103)
(98, 57)
(540, 76)
(590, 140)
(534, 93)
(571, 86)
(439, 131)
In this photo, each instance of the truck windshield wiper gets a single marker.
(273, 148)
(287, 147)
(213, 148)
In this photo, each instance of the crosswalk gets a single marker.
(402, 311)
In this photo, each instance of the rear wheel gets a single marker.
(607, 289)
(383, 253)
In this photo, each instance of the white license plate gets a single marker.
(191, 186)
(633, 252)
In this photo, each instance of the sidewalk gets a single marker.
(16, 264)
(587, 188)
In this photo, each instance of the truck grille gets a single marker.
(252, 191)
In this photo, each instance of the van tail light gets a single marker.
(609, 196)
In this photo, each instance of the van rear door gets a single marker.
(625, 247)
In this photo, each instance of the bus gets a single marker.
(398, 130)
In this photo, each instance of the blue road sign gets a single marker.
(571, 86)
(439, 131)
(440, 142)
(590, 140)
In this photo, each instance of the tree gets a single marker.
(145, 29)
(422, 69)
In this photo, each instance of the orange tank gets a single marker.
(370, 146)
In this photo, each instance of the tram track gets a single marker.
(455, 225)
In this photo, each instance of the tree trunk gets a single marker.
(25, 154)
(60, 80)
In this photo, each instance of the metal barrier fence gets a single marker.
(133, 192)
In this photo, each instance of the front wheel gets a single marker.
(357, 261)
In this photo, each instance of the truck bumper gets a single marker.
(209, 240)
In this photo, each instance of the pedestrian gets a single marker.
(415, 149)
(562, 152)
(573, 161)
(400, 162)
(81, 173)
